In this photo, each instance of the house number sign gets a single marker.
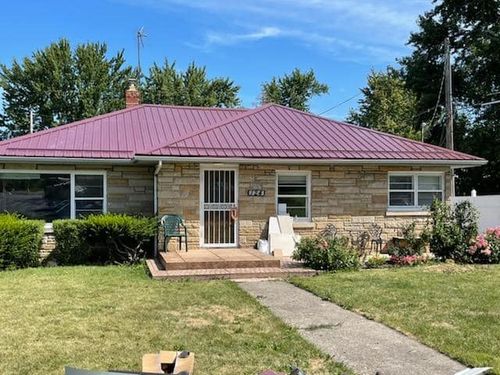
(256, 189)
(256, 193)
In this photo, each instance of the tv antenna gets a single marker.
(141, 34)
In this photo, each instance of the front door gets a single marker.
(219, 207)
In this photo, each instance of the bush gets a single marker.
(485, 248)
(20, 241)
(326, 254)
(71, 247)
(375, 262)
(453, 230)
(110, 238)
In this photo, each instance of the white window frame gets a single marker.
(415, 191)
(71, 174)
(307, 196)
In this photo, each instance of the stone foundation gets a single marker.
(48, 245)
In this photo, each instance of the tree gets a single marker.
(474, 33)
(387, 105)
(62, 85)
(294, 90)
(166, 85)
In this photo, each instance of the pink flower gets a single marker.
(486, 252)
(472, 250)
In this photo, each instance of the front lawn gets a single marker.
(455, 309)
(107, 317)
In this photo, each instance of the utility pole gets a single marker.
(448, 95)
(449, 107)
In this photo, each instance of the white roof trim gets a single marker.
(453, 163)
(155, 159)
(58, 160)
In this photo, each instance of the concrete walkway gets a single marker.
(363, 345)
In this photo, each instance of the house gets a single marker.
(226, 171)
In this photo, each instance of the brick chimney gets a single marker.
(132, 96)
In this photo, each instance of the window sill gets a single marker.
(303, 225)
(414, 212)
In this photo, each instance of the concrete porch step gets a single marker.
(216, 259)
(226, 273)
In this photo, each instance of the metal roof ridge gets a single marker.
(201, 108)
(204, 130)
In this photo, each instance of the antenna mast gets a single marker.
(140, 44)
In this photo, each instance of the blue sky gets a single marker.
(249, 41)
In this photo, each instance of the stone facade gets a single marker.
(351, 197)
(48, 245)
(129, 188)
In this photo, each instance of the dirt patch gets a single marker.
(449, 268)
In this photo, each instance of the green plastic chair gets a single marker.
(173, 226)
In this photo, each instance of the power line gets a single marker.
(339, 104)
(438, 97)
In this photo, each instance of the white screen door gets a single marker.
(219, 208)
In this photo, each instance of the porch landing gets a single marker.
(223, 263)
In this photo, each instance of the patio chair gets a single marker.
(376, 238)
(330, 232)
(359, 241)
(173, 226)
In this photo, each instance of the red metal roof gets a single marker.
(116, 135)
(271, 131)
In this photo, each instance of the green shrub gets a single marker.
(71, 247)
(326, 254)
(453, 230)
(20, 241)
(109, 238)
(375, 262)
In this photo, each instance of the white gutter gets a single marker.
(48, 160)
(155, 199)
(155, 187)
(454, 163)
(180, 159)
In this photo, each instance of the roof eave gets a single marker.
(434, 162)
(60, 160)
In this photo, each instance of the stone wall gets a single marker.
(350, 197)
(179, 194)
(130, 188)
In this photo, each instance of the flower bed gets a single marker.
(485, 248)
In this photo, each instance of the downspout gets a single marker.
(155, 199)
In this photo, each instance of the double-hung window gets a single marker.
(414, 190)
(294, 194)
(89, 194)
(50, 195)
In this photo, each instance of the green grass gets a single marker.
(107, 317)
(455, 309)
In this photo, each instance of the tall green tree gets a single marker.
(293, 90)
(60, 84)
(474, 33)
(387, 105)
(167, 85)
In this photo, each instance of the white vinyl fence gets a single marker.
(489, 209)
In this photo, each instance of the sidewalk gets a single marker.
(361, 344)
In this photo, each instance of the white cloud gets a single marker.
(353, 29)
(229, 39)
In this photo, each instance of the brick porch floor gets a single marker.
(223, 263)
